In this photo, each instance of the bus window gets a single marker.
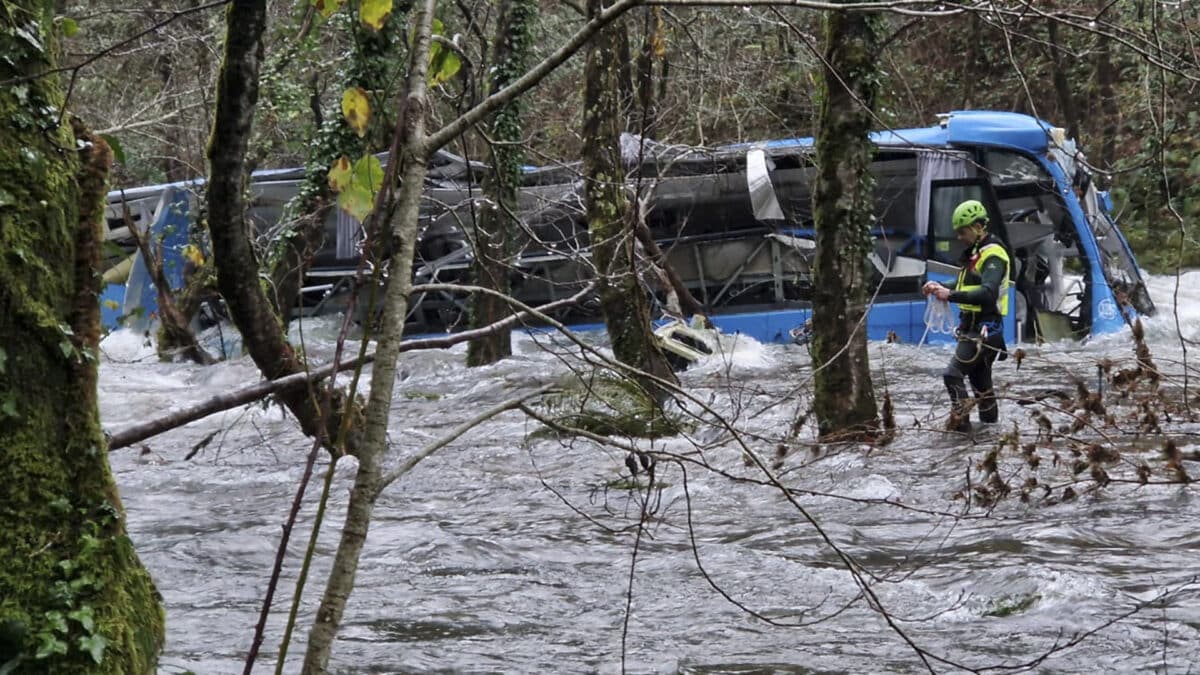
(944, 197)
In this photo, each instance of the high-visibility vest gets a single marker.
(969, 278)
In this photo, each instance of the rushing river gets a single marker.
(506, 552)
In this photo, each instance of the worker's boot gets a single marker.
(989, 409)
(960, 405)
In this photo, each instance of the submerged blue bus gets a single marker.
(735, 225)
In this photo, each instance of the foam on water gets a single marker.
(871, 486)
(126, 346)
(736, 352)
(1163, 289)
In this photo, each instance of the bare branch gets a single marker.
(410, 463)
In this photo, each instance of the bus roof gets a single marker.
(961, 128)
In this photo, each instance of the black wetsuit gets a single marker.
(980, 333)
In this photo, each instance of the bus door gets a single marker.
(943, 249)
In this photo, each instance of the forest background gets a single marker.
(1128, 95)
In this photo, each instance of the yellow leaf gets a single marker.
(327, 7)
(374, 12)
(357, 201)
(356, 109)
(339, 174)
(359, 185)
(194, 254)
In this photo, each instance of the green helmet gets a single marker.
(968, 212)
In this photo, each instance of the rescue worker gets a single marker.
(982, 297)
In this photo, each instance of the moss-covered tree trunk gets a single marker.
(610, 225)
(73, 595)
(843, 207)
(372, 67)
(495, 226)
(237, 266)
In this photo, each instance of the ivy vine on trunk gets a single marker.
(610, 223)
(494, 225)
(843, 208)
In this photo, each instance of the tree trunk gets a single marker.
(843, 204)
(1062, 81)
(494, 226)
(653, 48)
(1110, 111)
(974, 66)
(409, 150)
(71, 586)
(623, 53)
(175, 336)
(237, 266)
(610, 224)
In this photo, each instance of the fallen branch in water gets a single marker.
(221, 402)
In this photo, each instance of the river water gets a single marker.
(512, 552)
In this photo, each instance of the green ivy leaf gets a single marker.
(88, 544)
(57, 621)
(94, 645)
(108, 511)
(3, 360)
(49, 644)
(85, 617)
